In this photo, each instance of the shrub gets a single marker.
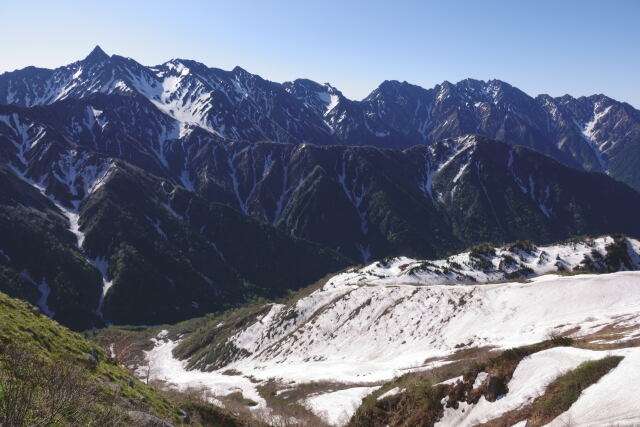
(483, 249)
(522, 245)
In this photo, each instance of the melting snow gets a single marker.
(336, 408)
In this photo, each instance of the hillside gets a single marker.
(595, 132)
(53, 376)
(341, 340)
(133, 240)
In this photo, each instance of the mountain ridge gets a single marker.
(117, 174)
(594, 132)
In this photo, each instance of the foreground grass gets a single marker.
(46, 362)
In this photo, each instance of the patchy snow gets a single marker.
(161, 365)
(530, 379)
(613, 399)
(480, 378)
(373, 324)
(607, 402)
(337, 407)
(590, 133)
(437, 162)
(461, 268)
(453, 380)
(392, 392)
(349, 339)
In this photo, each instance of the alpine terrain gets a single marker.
(261, 252)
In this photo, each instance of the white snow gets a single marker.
(452, 380)
(163, 366)
(391, 392)
(530, 379)
(590, 133)
(611, 401)
(460, 268)
(480, 378)
(103, 266)
(332, 103)
(336, 408)
(373, 324)
(435, 164)
(349, 338)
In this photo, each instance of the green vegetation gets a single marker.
(565, 390)
(53, 376)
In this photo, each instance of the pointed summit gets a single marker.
(97, 55)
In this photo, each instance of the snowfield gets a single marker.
(336, 408)
(610, 401)
(368, 326)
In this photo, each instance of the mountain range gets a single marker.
(134, 194)
(596, 132)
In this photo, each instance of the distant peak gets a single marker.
(97, 54)
(239, 70)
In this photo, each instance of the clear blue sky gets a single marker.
(578, 47)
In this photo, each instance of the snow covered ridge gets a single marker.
(367, 326)
(485, 263)
(352, 314)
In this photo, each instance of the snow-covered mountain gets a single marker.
(363, 202)
(369, 325)
(76, 141)
(73, 166)
(596, 133)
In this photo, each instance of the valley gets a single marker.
(197, 246)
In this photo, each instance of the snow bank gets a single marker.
(611, 401)
(163, 366)
(529, 381)
(336, 408)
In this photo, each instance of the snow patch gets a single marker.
(336, 408)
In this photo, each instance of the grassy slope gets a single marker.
(21, 323)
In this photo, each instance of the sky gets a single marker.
(579, 47)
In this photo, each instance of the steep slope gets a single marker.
(595, 133)
(39, 259)
(610, 129)
(88, 386)
(233, 104)
(423, 201)
(361, 201)
(347, 332)
(127, 246)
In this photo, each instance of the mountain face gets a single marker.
(155, 233)
(595, 133)
(143, 195)
(93, 239)
(363, 202)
